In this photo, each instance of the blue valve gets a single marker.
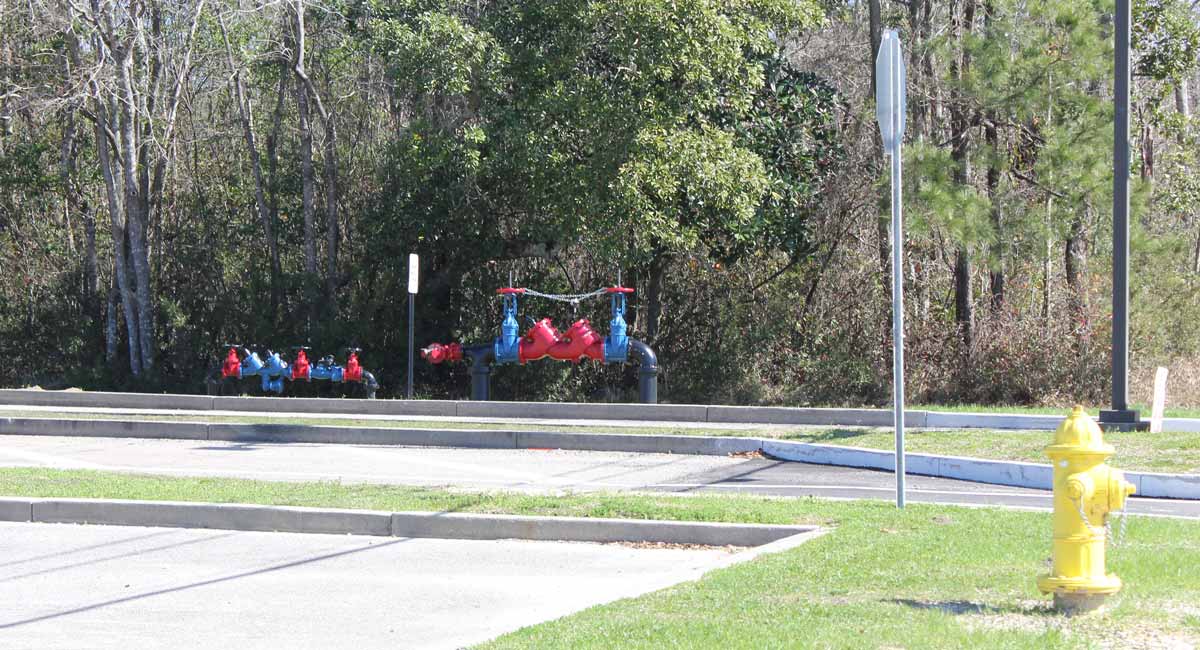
(616, 346)
(507, 347)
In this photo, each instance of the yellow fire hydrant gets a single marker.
(1086, 490)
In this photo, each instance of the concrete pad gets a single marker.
(167, 513)
(485, 439)
(580, 529)
(653, 444)
(224, 516)
(941, 420)
(812, 416)
(115, 400)
(1182, 425)
(76, 587)
(532, 471)
(345, 522)
(103, 428)
(16, 509)
(564, 410)
(1026, 475)
(318, 405)
(1172, 486)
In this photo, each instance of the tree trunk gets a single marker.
(117, 226)
(1075, 263)
(273, 144)
(654, 285)
(332, 234)
(260, 199)
(1147, 149)
(135, 210)
(110, 325)
(960, 125)
(993, 185)
(306, 161)
(329, 167)
(1182, 101)
(875, 33)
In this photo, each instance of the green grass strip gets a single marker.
(925, 577)
(1136, 450)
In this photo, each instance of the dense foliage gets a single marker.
(175, 176)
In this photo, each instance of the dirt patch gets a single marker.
(757, 453)
(680, 547)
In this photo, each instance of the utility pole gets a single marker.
(1121, 416)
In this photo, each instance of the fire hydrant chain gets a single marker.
(1116, 540)
(1083, 517)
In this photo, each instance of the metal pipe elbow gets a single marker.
(647, 360)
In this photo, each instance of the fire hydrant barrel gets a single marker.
(1086, 490)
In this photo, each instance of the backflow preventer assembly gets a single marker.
(542, 340)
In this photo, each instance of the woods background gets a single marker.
(179, 175)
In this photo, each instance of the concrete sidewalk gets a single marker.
(101, 587)
(673, 413)
(999, 472)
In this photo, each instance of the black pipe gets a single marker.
(369, 384)
(481, 357)
(647, 371)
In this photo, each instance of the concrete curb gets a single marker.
(997, 472)
(552, 410)
(441, 525)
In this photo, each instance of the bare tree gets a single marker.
(306, 91)
(265, 216)
(136, 119)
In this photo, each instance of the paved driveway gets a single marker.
(64, 586)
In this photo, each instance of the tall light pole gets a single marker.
(1121, 416)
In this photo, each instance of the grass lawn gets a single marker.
(925, 577)
(1143, 410)
(1143, 451)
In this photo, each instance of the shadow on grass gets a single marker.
(959, 607)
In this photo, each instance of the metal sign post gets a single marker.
(413, 266)
(890, 104)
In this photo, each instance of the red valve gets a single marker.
(438, 353)
(300, 366)
(353, 370)
(578, 343)
(538, 341)
(232, 367)
(543, 340)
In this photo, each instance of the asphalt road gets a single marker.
(535, 471)
(98, 587)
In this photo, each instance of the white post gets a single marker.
(1160, 400)
(413, 266)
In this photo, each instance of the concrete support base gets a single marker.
(1126, 420)
(1074, 604)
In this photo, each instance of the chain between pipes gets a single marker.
(571, 298)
